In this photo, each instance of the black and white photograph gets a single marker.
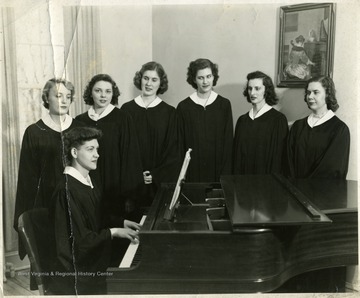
(199, 148)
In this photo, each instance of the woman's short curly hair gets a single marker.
(198, 64)
(160, 71)
(329, 86)
(52, 83)
(97, 78)
(270, 95)
(76, 137)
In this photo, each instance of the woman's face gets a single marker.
(86, 156)
(256, 91)
(59, 100)
(150, 83)
(316, 97)
(102, 94)
(204, 80)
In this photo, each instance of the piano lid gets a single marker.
(330, 195)
(267, 200)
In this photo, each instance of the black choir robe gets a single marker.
(260, 144)
(156, 129)
(209, 132)
(319, 152)
(119, 170)
(40, 169)
(82, 246)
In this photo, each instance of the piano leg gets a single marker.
(330, 280)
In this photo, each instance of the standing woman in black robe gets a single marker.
(319, 144)
(41, 156)
(156, 126)
(205, 125)
(260, 134)
(119, 168)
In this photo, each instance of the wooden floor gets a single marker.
(19, 285)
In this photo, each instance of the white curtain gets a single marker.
(82, 50)
(83, 60)
(10, 127)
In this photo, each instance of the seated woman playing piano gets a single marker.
(83, 247)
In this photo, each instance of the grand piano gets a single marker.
(245, 234)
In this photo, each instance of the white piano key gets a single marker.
(131, 251)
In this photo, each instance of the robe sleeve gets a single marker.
(277, 156)
(335, 161)
(169, 166)
(290, 167)
(77, 246)
(29, 176)
(181, 131)
(236, 149)
(131, 179)
(227, 141)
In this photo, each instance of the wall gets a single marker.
(242, 38)
(346, 75)
(236, 37)
(126, 34)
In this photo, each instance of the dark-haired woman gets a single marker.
(319, 144)
(41, 164)
(260, 134)
(119, 168)
(156, 125)
(206, 125)
(83, 247)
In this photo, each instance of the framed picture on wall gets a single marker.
(306, 43)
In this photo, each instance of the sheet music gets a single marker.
(131, 251)
(180, 179)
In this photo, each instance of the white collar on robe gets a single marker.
(262, 111)
(199, 101)
(139, 101)
(77, 175)
(92, 114)
(312, 120)
(59, 128)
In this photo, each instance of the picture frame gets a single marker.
(306, 43)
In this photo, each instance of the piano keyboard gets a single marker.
(128, 258)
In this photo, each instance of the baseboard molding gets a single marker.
(352, 287)
(352, 279)
(13, 258)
